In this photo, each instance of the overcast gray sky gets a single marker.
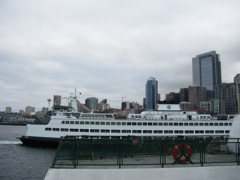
(109, 48)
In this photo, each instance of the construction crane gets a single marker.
(121, 97)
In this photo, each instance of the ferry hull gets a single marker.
(40, 141)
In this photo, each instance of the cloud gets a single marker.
(109, 49)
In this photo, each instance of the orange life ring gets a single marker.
(182, 153)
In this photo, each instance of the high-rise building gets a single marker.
(230, 94)
(183, 95)
(151, 95)
(206, 70)
(92, 103)
(197, 94)
(57, 99)
(237, 79)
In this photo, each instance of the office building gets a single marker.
(183, 95)
(197, 94)
(151, 95)
(214, 106)
(230, 94)
(237, 79)
(92, 103)
(206, 70)
(57, 100)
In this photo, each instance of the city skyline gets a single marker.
(109, 49)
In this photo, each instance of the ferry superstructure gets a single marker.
(169, 120)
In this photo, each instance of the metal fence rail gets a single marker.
(74, 152)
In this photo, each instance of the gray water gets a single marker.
(21, 162)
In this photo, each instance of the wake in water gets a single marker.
(9, 142)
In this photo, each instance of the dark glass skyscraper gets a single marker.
(206, 70)
(151, 93)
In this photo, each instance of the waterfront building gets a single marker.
(126, 105)
(91, 103)
(206, 70)
(173, 97)
(151, 95)
(214, 106)
(29, 110)
(237, 79)
(8, 109)
(57, 100)
(230, 94)
(183, 95)
(197, 94)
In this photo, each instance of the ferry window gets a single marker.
(134, 123)
(157, 131)
(227, 131)
(102, 123)
(67, 122)
(178, 132)
(97, 123)
(149, 124)
(107, 123)
(220, 124)
(94, 130)
(47, 129)
(92, 122)
(63, 122)
(115, 131)
(206, 124)
(230, 124)
(185, 124)
(86, 122)
(112, 123)
(195, 124)
(73, 130)
(175, 124)
(211, 124)
(189, 132)
(147, 131)
(219, 131)
(190, 124)
(126, 131)
(145, 124)
(76, 122)
(168, 131)
(137, 131)
(171, 124)
(139, 123)
(199, 132)
(201, 124)
(154, 124)
(64, 129)
(55, 129)
(71, 122)
(118, 123)
(129, 123)
(209, 131)
(124, 123)
(160, 124)
(165, 124)
(85, 130)
(225, 124)
(180, 124)
(81, 122)
(215, 124)
(105, 130)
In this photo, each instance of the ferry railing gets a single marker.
(74, 152)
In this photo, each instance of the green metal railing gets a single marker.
(75, 152)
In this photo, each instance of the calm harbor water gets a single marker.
(21, 162)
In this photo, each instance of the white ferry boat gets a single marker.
(167, 121)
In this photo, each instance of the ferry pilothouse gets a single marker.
(168, 120)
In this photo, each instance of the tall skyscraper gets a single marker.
(236, 79)
(151, 93)
(206, 70)
(92, 103)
